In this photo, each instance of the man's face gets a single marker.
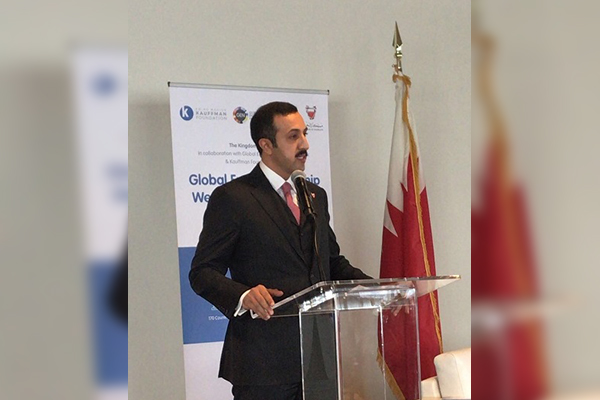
(292, 145)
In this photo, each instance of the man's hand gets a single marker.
(259, 299)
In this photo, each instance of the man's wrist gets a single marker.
(240, 310)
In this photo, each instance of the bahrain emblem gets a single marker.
(311, 111)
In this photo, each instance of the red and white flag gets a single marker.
(407, 251)
(509, 355)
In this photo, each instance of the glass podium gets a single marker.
(354, 333)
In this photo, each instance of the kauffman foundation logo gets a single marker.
(186, 113)
(311, 111)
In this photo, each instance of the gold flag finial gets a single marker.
(397, 43)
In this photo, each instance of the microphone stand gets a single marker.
(313, 219)
(304, 198)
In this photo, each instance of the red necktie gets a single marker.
(287, 192)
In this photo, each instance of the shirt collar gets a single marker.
(274, 179)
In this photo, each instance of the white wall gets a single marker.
(343, 46)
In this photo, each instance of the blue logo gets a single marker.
(104, 84)
(186, 113)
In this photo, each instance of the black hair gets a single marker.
(261, 124)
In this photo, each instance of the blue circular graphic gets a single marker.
(186, 113)
(104, 84)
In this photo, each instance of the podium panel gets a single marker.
(344, 328)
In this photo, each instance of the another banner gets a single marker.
(99, 84)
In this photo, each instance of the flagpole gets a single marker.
(407, 244)
(397, 43)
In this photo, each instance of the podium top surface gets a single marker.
(328, 296)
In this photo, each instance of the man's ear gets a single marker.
(266, 146)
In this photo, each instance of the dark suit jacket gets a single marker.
(250, 231)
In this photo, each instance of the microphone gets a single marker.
(304, 197)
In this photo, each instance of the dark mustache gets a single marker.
(302, 153)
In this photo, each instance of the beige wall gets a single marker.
(342, 46)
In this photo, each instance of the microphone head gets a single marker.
(298, 174)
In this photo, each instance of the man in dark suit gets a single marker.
(250, 230)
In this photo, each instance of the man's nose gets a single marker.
(305, 144)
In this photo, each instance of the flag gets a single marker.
(510, 358)
(509, 354)
(502, 257)
(407, 251)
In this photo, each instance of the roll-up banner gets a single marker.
(99, 84)
(210, 127)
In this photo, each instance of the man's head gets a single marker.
(262, 126)
(279, 132)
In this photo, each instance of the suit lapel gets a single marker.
(276, 209)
